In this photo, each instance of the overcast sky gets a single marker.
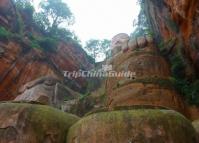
(100, 19)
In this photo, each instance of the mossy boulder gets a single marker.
(31, 123)
(133, 126)
(196, 126)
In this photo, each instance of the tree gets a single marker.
(105, 46)
(97, 48)
(26, 6)
(93, 48)
(42, 21)
(141, 24)
(56, 12)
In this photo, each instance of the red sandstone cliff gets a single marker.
(177, 21)
(19, 63)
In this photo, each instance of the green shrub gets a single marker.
(35, 45)
(48, 44)
(84, 96)
(19, 24)
(189, 90)
(25, 6)
(178, 67)
(4, 34)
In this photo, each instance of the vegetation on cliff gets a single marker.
(46, 24)
(98, 48)
(184, 77)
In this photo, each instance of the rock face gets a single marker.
(196, 127)
(150, 85)
(133, 126)
(47, 91)
(8, 14)
(21, 63)
(137, 105)
(179, 20)
(26, 123)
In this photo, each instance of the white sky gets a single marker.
(102, 19)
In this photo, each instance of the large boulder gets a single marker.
(133, 126)
(196, 126)
(169, 19)
(27, 123)
(45, 90)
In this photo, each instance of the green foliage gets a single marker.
(189, 89)
(4, 34)
(41, 21)
(84, 96)
(26, 6)
(105, 46)
(20, 24)
(178, 67)
(97, 48)
(48, 44)
(93, 48)
(54, 12)
(172, 24)
(141, 24)
(47, 20)
(35, 45)
(65, 35)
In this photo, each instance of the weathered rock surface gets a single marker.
(196, 127)
(21, 63)
(171, 19)
(193, 112)
(130, 126)
(86, 104)
(150, 85)
(47, 91)
(19, 67)
(27, 123)
(8, 15)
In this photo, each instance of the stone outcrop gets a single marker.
(133, 126)
(21, 63)
(47, 91)
(26, 123)
(196, 126)
(151, 84)
(140, 108)
(8, 15)
(177, 21)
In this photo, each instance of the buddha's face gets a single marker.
(118, 42)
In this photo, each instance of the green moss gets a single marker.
(20, 24)
(188, 88)
(165, 83)
(41, 119)
(45, 44)
(119, 126)
(4, 34)
(172, 24)
(121, 108)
